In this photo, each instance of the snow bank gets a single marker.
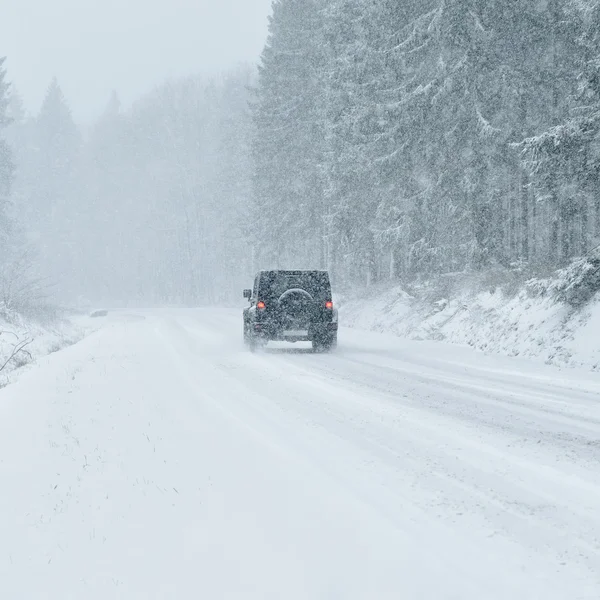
(23, 339)
(539, 320)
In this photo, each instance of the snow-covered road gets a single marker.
(159, 459)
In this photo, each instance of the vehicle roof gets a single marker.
(294, 271)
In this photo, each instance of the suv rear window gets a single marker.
(275, 283)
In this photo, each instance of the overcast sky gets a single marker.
(95, 46)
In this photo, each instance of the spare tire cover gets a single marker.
(296, 307)
(297, 293)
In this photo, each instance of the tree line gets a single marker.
(410, 139)
(147, 206)
(382, 140)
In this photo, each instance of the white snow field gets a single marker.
(157, 458)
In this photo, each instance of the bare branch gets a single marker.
(17, 349)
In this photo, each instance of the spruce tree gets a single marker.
(288, 145)
(55, 190)
(563, 157)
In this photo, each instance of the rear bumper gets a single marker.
(314, 331)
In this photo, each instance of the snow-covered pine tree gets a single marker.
(232, 182)
(54, 189)
(587, 121)
(346, 171)
(401, 225)
(17, 288)
(512, 101)
(368, 164)
(288, 143)
(104, 170)
(16, 114)
(440, 49)
(59, 137)
(564, 157)
(412, 212)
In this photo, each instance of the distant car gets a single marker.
(291, 306)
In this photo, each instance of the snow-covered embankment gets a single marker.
(555, 320)
(24, 339)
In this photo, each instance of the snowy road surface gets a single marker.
(158, 459)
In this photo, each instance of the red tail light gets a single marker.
(329, 304)
(260, 305)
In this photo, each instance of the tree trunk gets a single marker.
(524, 216)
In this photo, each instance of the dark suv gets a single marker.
(291, 306)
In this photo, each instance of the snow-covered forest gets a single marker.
(379, 139)
(398, 139)
(148, 206)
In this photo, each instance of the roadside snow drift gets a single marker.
(23, 340)
(517, 325)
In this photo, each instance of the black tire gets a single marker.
(325, 345)
(254, 342)
(249, 339)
